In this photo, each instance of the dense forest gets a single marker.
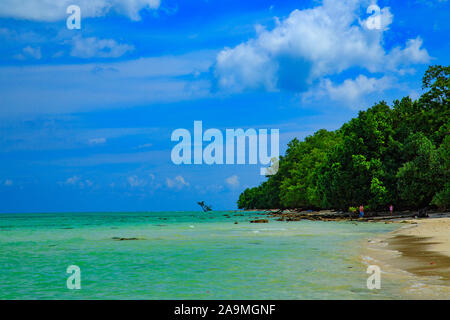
(387, 155)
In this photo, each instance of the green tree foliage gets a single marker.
(435, 110)
(442, 198)
(298, 189)
(361, 170)
(420, 178)
(385, 155)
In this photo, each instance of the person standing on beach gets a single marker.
(361, 211)
(391, 209)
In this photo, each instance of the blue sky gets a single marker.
(86, 115)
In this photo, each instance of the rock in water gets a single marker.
(259, 221)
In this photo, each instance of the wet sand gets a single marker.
(434, 234)
(418, 255)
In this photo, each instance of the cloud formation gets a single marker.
(29, 52)
(312, 44)
(90, 86)
(44, 10)
(77, 182)
(102, 48)
(232, 181)
(177, 183)
(145, 182)
(351, 91)
(135, 181)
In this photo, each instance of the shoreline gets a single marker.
(433, 234)
(414, 258)
(416, 255)
(333, 215)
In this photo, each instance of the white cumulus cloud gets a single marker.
(351, 91)
(311, 44)
(412, 53)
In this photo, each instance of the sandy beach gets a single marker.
(418, 254)
(434, 234)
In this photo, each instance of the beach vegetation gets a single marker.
(386, 155)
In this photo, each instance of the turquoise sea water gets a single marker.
(183, 255)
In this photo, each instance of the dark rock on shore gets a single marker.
(259, 221)
(331, 215)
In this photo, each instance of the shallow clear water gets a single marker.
(183, 255)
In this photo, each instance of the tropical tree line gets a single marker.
(387, 155)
